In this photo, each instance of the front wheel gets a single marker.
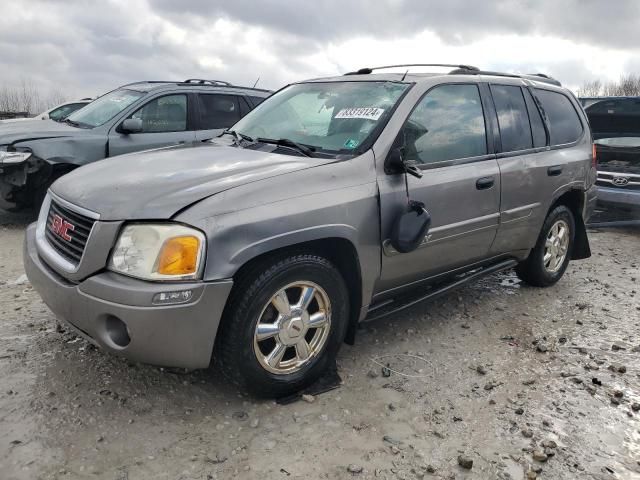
(283, 326)
(550, 257)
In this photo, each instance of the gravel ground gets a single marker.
(511, 381)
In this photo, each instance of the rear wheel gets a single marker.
(284, 325)
(550, 257)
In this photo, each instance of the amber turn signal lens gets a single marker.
(178, 256)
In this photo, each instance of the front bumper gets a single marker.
(106, 305)
(619, 198)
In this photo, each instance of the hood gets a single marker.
(157, 184)
(16, 132)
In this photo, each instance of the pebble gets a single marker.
(616, 367)
(531, 475)
(635, 407)
(254, 423)
(465, 462)
(241, 415)
(481, 370)
(539, 456)
(308, 398)
(542, 347)
(372, 374)
(549, 444)
(527, 433)
(617, 346)
(353, 468)
(386, 372)
(519, 411)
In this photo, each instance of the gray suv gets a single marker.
(334, 201)
(134, 117)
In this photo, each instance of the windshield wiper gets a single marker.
(285, 142)
(238, 136)
(72, 123)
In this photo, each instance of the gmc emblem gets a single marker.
(61, 227)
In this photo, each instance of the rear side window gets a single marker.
(537, 124)
(513, 120)
(447, 124)
(218, 111)
(564, 123)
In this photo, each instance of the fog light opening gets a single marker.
(117, 331)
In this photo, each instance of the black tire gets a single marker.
(533, 270)
(234, 351)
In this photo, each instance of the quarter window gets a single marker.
(218, 111)
(515, 131)
(164, 114)
(564, 123)
(447, 124)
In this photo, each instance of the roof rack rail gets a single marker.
(538, 77)
(368, 70)
(201, 81)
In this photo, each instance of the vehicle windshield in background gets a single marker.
(104, 108)
(332, 117)
(615, 124)
(64, 111)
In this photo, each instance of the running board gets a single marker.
(408, 300)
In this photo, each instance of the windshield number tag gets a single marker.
(367, 113)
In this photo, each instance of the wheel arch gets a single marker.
(339, 250)
(574, 200)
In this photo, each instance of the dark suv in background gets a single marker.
(134, 117)
(615, 123)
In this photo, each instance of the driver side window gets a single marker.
(447, 124)
(164, 114)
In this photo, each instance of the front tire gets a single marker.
(550, 257)
(283, 326)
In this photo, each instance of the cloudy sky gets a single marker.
(85, 47)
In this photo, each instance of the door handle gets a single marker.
(554, 171)
(485, 182)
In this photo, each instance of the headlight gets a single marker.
(7, 158)
(159, 252)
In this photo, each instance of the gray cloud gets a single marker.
(84, 48)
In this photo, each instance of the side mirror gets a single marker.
(131, 125)
(410, 228)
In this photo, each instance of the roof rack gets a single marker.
(538, 77)
(201, 81)
(368, 70)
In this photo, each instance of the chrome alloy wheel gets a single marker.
(556, 246)
(293, 327)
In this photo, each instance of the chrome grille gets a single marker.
(67, 232)
(628, 181)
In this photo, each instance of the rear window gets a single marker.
(564, 123)
(513, 120)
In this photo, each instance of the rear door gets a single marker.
(446, 136)
(165, 121)
(217, 112)
(537, 128)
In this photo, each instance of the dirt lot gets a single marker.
(495, 372)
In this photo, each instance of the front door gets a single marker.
(446, 136)
(164, 123)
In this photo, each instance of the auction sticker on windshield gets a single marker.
(367, 113)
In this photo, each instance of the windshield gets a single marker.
(104, 108)
(332, 116)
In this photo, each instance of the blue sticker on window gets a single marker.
(351, 143)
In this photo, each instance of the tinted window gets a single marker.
(515, 131)
(164, 114)
(537, 124)
(448, 123)
(564, 123)
(218, 111)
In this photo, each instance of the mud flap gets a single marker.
(581, 248)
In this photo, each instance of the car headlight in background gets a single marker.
(8, 158)
(159, 252)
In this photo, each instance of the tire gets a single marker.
(541, 272)
(243, 353)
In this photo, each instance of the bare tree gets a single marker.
(28, 98)
(590, 89)
(627, 85)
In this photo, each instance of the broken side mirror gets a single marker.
(410, 227)
(395, 162)
(131, 125)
